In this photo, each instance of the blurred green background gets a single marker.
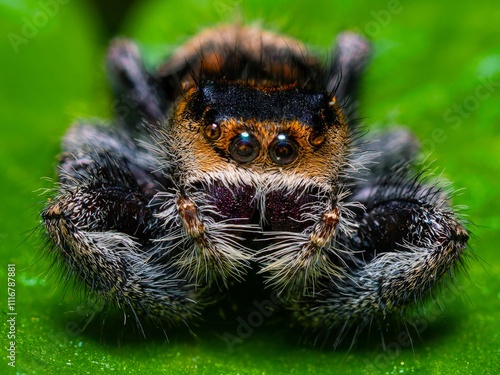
(436, 69)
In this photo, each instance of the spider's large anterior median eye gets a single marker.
(244, 148)
(283, 149)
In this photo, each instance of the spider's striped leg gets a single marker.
(103, 226)
(408, 240)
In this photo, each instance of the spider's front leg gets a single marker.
(104, 227)
(408, 239)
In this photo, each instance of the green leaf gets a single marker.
(435, 69)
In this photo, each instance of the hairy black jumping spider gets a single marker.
(240, 157)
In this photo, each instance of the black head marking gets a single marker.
(224, 100)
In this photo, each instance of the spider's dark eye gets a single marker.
(283, 150)
(212, 131)
(244, 148)
(316, 139)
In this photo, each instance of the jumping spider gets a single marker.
(241, 156)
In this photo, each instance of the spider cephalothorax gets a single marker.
(240, 154)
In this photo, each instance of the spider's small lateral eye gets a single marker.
(283, 149)
(244, 148)
(316, 139)
(212, 131)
